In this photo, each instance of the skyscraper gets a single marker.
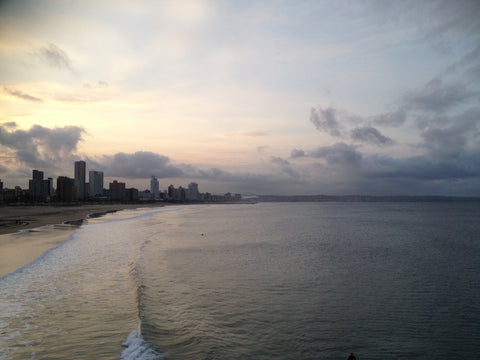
(38, 188)
(95, 179)
(117, 190)
(37, 175)
(80, 178)
(154, 188)
(192, 192)
(65, 189)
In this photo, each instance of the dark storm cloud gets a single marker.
(21, 95)
(55, 56)
(40, 146)
(370, 135)
(438, 97)
(326, 120)
(141, 164)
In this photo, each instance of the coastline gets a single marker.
(17, 218)
(26, 232)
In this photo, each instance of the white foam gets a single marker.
(138, 349)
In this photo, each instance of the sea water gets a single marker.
(262, 281)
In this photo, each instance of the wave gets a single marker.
(138, 349)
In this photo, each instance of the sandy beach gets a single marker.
(26, 232)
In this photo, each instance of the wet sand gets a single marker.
(26, 232)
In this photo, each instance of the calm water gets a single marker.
(264, 281)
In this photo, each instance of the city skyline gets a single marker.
(77, 189)
(287, 98)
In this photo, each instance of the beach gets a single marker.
(26, 232)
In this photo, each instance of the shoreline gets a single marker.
(26, 232)
(17, 218)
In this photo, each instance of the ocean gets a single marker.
(254, 281)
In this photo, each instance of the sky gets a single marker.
(252, 97)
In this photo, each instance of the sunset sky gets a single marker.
(262, 97)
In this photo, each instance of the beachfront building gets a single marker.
(80, 167)
(191, 193)
(37, 175)
(117, 191)
(131, 195)
(39, 190)
(65, 189)
(154, 188)
(95, 180)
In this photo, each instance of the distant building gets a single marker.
(95, 179)
(117, 190)
(37, 175)
(80, 167)
(154, 188)
(191, 194)
(131, 195)
(145, 195)
(65, 189)
(176, 194)
(39, 190)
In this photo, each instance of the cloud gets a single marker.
(396, 118)
(326, 120)
(370, 135)
(420, 169)
(40, 146)
(9, 124)
(284, 166)
(97, 85)
(443, 24)
(55, 57)
(253, 134)
(141, 164)
(451, 141)
(279, 161)
(469, 64)
(21, 95)
(297, 153)
(339, 153)
(335, 122)
(437, 96)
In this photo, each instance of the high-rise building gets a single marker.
(65, 189)
(192, 192)
(80, 178)
(38, 189)
(95, 179)
(37, 175)
(154, 188)
(117, 190)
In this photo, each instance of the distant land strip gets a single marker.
(363, 198)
